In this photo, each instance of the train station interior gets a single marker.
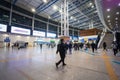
(83, 34)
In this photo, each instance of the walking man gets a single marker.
(62, 51)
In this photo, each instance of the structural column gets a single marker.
(11, 9)
(33, 22)
(64, 19)
(72, 33)
(78, 33)
(47, 27)
(114, 33)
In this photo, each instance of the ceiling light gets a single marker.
(90, 3)
(108, 16)
(117, 12)
(45, 1)
(119, 4)
(108, 10)
(33, 10)
(71, 17)
(60, 11)
(116, 18)
(108, 20)
(55, 7)
(92, 6)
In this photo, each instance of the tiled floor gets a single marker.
(37, 64)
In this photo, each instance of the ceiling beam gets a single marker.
(14, 2)
(50, 3)
(74, 6)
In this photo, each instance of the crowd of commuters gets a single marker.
(63, 47)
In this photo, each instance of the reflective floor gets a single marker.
(36, 64)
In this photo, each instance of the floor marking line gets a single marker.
(109, 68)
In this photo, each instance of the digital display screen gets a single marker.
(53, 35)
(3, 28)
(38, 33)
(20, 30)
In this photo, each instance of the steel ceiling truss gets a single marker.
(45, 6)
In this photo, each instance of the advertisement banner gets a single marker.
(38, 33)
(53, 35)
(3, 28)
(20, 30)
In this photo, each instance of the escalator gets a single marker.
(108, 38)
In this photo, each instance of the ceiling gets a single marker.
(111, 11)
(82, 13)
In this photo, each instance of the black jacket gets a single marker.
(61, 48)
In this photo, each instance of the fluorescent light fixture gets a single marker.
(45, 1)
(108, 16)
(117, 12)
(33, 10)
(55, 7)
(108, 10)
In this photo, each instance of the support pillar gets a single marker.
(11, 9)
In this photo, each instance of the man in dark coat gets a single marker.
(104, 46)
(93, 46)
(61, 48)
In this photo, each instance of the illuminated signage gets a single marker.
(20, 30)
(51, 35)
(38, 33)
(3, 27)
(75, 38)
